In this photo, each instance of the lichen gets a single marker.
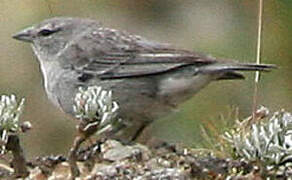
(10, 111)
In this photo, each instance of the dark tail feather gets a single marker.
(228, 71)
(217, 67)
(256, 67)
(231, 76)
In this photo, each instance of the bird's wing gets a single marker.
(117, 54)
(135, 64)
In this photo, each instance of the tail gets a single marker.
(229, 70)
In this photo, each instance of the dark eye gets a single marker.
(46, 32)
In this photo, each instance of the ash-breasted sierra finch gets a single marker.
(148, 79)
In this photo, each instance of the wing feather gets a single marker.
(118, 54)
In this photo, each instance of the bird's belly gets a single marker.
(141, 99)
(176, 90)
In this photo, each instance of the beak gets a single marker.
(25, 35)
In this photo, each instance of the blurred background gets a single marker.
(224, 29)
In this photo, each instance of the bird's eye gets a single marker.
(46, 32)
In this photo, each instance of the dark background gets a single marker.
(225, 28)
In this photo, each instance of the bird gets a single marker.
(148, 79)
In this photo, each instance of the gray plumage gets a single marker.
(148, 79)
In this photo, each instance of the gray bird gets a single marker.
(148, 79)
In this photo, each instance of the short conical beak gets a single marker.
(24, 35)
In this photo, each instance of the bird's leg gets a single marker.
(143, 135)
(140, 130)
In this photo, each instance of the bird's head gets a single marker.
(52, 35)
